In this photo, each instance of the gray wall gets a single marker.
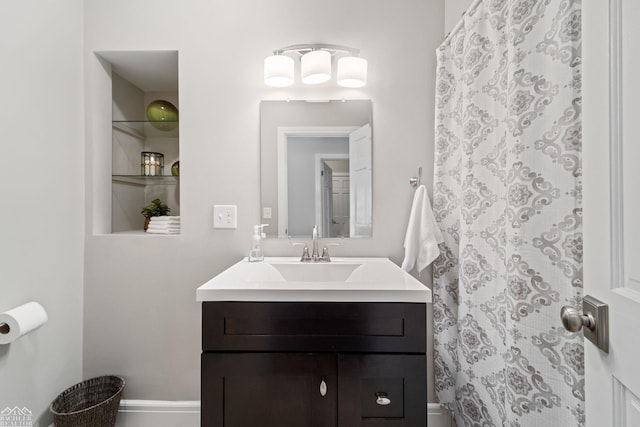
(41, 197)
(453, 12)
(141, 317)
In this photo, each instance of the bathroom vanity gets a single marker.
(286, 343)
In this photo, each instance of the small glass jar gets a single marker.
(151, 164)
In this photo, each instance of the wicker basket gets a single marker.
(91, 403)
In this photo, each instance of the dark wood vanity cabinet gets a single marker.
(268, 389)
(313, 364)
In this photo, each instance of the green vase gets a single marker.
(163, 115)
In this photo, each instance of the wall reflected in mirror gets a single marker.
(316, 168)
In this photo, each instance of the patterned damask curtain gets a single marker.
(507, 196)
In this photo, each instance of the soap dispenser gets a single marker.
(256, 251)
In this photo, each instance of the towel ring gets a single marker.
(413, 181)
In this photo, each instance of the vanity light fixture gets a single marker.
(278, 71)
(315, 65)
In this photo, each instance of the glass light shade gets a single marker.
(278, 71)
(352, 71)
(315, 67)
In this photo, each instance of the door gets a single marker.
(611, 152)
(327, 199)
(360, 181)
(268, 390)
(340, 220)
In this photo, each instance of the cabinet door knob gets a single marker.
(323, 388)
(382, 398)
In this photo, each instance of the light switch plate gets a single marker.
(225, 216)
(266, 213)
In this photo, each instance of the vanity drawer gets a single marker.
(382, 390)
(314, 326)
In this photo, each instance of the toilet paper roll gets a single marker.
(20, 321)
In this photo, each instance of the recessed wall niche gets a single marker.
(144, 119)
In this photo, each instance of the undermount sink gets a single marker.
(289, 279)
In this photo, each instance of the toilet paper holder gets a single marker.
(19, 321)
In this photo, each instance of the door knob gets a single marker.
(573, 321)
(594, 319)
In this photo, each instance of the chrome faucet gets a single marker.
(314, 236)
(315, 256)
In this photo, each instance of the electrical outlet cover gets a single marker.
(225, 216)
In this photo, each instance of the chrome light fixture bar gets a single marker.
(315, 65)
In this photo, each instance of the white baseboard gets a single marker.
(158, 413)
(438, 416)
(162, 413)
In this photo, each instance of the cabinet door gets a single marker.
(268, 389)
(382, 390)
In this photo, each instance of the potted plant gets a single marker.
(156, 208)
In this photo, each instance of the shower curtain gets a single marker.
(507, 197)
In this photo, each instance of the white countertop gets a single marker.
(347, 280)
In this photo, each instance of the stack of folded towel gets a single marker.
(164, 225)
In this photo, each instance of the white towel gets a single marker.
(423, 234)
(165, 218)
(164, 221)
(163, 227)
(152, 231)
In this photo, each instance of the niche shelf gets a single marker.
(142, 129)
(137, 79)
(146, 180)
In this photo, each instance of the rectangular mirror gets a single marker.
(316, 168)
